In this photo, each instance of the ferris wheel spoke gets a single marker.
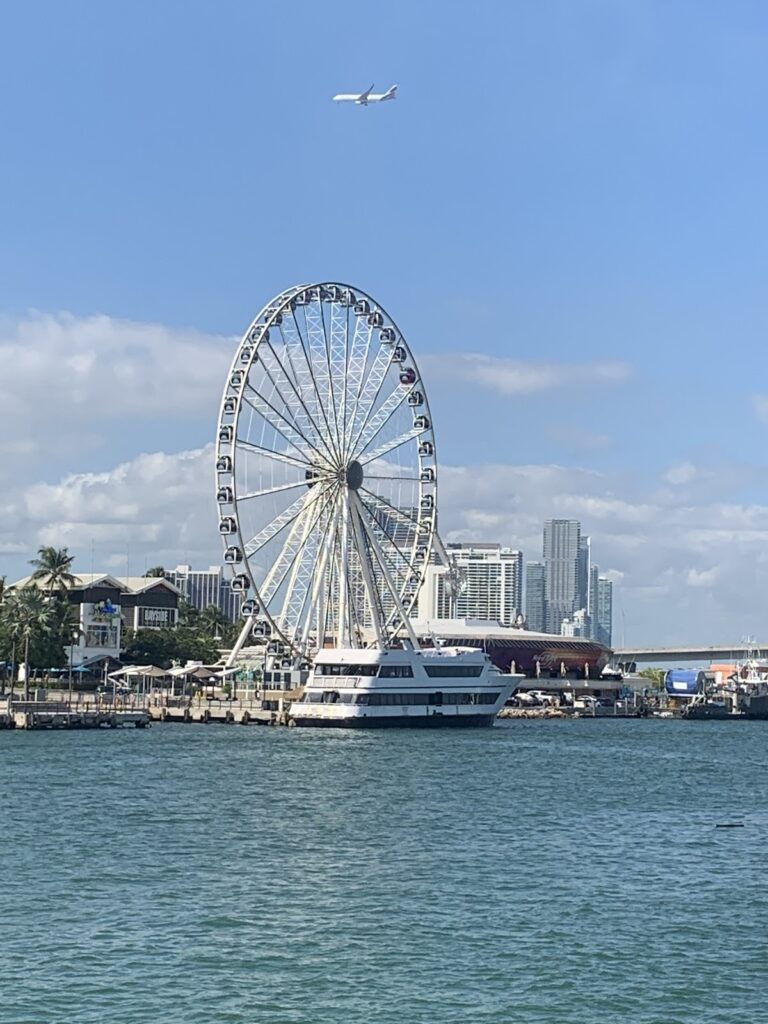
(270, 453)
(294, 543)
(277, 525)
(393, 510)
(382, 416)
(299, 580)
(317, 359)
(398, 571)
(280, 424)
(330, 355)
(371, 390)
(411, 479)
(266, 491)
(318, 584)
(374, 514)
(295, 410)
(305, 413)
(389, 446)
(358, 360)
(394, 593)
(345, 377)
(305, 379)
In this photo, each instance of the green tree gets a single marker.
(212, 621)
(29, 621)
(162, 647)
(188, 614)
(656, 675)
(156, 570)
(53, 569)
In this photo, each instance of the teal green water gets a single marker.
(563, 872)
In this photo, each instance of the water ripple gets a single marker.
(556, 872)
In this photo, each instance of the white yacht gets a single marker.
(371, 688)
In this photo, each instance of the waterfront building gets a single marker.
(486, 583)
(561, 551)
(578, 625)
(105, 606)
(204, 587)
(535, 602)
(603, 622)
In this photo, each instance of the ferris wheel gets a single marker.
(326, 476)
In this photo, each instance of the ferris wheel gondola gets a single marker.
(326, 475)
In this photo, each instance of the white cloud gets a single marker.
(760, 405)
(61, 370)
(702, 578)
(158, 506)
(683, 473)
(511, 377)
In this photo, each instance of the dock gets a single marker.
(54, 714)
(260, 710)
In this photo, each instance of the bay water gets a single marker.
(567, 872)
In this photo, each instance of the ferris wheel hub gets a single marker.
(354, 475)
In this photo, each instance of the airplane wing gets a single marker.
(363, 97)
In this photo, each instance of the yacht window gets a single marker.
(346, 670)
(453, 671)
(396, 672)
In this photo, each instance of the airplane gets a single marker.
(364, 98)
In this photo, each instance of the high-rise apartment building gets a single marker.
(535, 604)
(203, 587)
(491, 585)
(561, 550)
(602, 627)
(582, 573)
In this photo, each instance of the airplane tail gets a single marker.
(390, 93)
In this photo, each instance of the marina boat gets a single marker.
(374, 688)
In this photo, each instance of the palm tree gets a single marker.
(53, 567)
(212, 621)
(156, 570)
(29, 617)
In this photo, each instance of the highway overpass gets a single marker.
(727, 653)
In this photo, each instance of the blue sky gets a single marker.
(571, 193)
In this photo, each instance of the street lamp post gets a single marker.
(71, 644)
(26, 666)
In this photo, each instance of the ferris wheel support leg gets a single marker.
(344, 630)
(357, 529)
(405, 618)
(316, 585)
(245, 632)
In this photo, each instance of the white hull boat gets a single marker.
(428, 688)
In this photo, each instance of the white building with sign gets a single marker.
(107, 606)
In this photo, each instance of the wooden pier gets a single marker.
(54, 714)
(245, 711)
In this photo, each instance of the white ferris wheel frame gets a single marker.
(359, 338)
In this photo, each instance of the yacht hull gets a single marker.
(434, 721)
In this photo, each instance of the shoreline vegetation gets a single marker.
(38, 624)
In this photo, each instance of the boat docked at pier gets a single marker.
(402, 687)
